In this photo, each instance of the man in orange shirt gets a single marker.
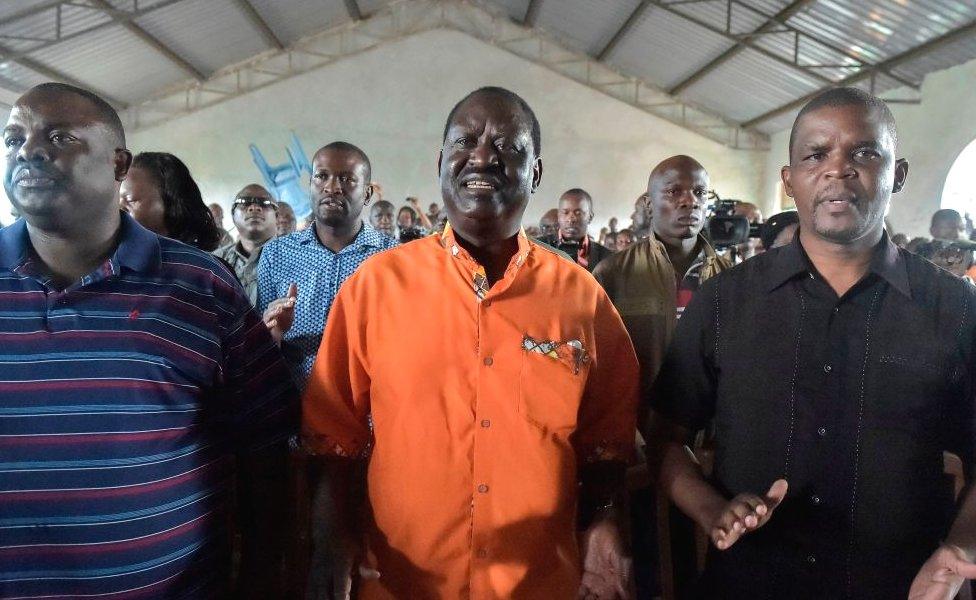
(485, 411)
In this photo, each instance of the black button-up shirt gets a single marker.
(851, 399)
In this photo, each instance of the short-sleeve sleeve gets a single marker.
(262, 402)
(684, 391)
(607, 419)
(335, 406)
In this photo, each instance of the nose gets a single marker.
(254, 208)
(840, 167)
(484, 154)
(332, 185)
(34, 148)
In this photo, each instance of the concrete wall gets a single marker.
(931, 135)
(392, 102)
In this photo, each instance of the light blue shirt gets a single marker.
(300, 258)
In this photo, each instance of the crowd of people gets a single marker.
(383, 403)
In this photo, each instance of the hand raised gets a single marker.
(745, 513)
(280, 314)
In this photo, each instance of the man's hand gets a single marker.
(942, 574)
(745, 513)
(280, 314)
(607, 570)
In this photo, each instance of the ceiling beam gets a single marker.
(783, 15)
(151, 41)
(354, 13)
(57, 75)
(258, 21)
(624, 30)
(15, 56)
(890, 63)
(532, 13)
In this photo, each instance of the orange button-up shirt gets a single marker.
(483, 402)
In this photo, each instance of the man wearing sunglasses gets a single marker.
(255, 216)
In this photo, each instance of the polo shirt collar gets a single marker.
(366, 238)
(887, 263)
(138, 247)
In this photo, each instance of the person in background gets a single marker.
(381, 218)
(549, 224)
(162, 196)
(495, 471)
(254, 213)
(575, 213)
(640, 219)
(625, 239)
(947, 224)
(955, 257)
(141, 393)
(434, 213)
(300, 274)
(286, 221)
(218, 215)
(754, 216)
(900, 240)
(609, 240)
(780, 229)
(916, 243)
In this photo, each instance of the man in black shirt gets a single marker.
(835, 370)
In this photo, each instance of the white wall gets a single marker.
(392, 101)
(930, 135)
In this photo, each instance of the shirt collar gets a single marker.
(449, 242)
(366, 238)
(887, 262)
(138, 247)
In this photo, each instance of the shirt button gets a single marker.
(812, 559)
(483, 488)
(488, 361)
(822, 431)
(486, 423)
(836, 309)
(486, 303)
(828, 368)
(815, 500)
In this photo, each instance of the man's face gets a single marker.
(139, 196)
(64, 164)
(624, 241)
(549, 223)
(639, 218)
(254, 213)
(488, 168)
(575, 214)
(286, 220)
(842, 173)
(405, 218)
(217, 212)
(381, 219)
(677, 197)
(339, 188)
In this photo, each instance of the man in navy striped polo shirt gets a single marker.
(137, 385)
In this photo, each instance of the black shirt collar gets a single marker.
(887, 263)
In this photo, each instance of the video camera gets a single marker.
(727, 229)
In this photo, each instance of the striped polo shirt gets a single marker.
(124, 399)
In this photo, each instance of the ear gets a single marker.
(440, 157)
(786, 174)
(122, 160)
(369, 194)
(901, 175)
(536, 174)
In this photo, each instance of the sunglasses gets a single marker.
(245, 201)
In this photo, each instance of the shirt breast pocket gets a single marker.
(551, 385)
(917, 384)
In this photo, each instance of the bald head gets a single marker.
(549, 223)
(677, 191)
(255, 190)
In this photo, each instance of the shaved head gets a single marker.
(680, 162)
(677, 191)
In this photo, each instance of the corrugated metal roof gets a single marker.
(652, 49)
(585, 26)
(210, 34)
(662, 48)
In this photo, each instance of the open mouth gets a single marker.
(35, 182)
(479, 185)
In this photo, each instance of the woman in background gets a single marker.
(162, 196)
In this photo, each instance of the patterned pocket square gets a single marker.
(570, 352)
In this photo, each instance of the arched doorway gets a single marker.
(959, 191)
